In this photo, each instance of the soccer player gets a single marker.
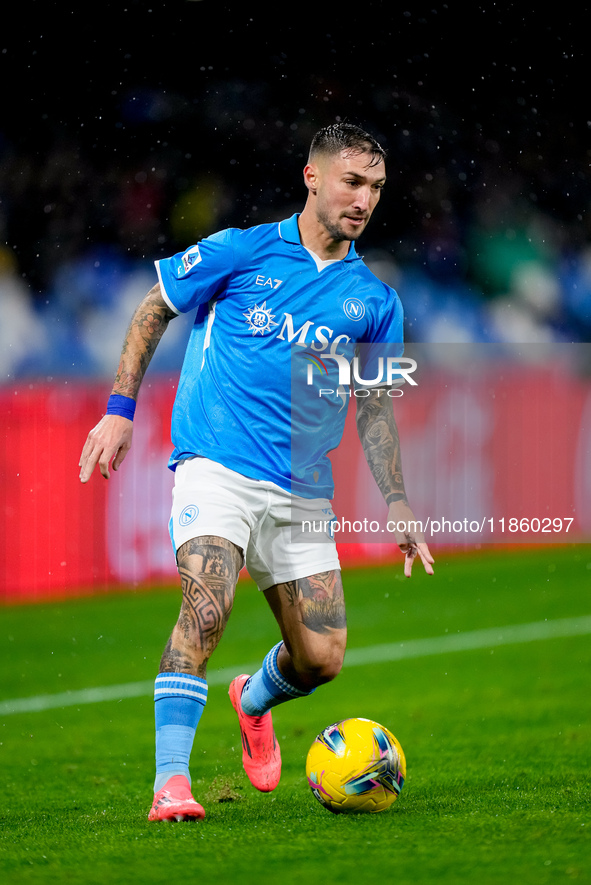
(244, 474)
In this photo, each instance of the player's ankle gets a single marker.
(162, 777)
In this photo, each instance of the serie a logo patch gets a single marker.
(191, 257)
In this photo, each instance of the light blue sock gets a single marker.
(179, 699)
(268, 687)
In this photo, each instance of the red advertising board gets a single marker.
(497, 456)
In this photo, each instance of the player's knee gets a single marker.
(329, 669)
(321, 667)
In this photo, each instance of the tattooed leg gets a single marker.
(311, 614)
(208, 567)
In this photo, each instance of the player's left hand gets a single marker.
(409, 537)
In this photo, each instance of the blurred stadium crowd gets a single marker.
(483, 228)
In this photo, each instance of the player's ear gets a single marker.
(311, 177)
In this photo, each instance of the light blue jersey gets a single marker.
(270, 321)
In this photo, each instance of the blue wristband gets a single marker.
(121, 405)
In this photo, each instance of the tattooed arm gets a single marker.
(146, 328)
(111, 438)
(381, 444)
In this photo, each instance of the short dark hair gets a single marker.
(339, 137)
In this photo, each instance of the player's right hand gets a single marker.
(110, 439)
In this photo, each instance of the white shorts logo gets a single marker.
(189, 514)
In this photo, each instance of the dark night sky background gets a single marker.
(73, 63)
(235, 91)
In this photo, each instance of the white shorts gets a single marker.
(270, 525)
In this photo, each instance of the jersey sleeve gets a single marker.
(189, 279)
(386, 342)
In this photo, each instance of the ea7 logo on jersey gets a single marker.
(191, 257)
(262, 280)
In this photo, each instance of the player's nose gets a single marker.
(362, 199)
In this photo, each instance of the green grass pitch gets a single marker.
(498, 740)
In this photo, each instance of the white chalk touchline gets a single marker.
(355, 657)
